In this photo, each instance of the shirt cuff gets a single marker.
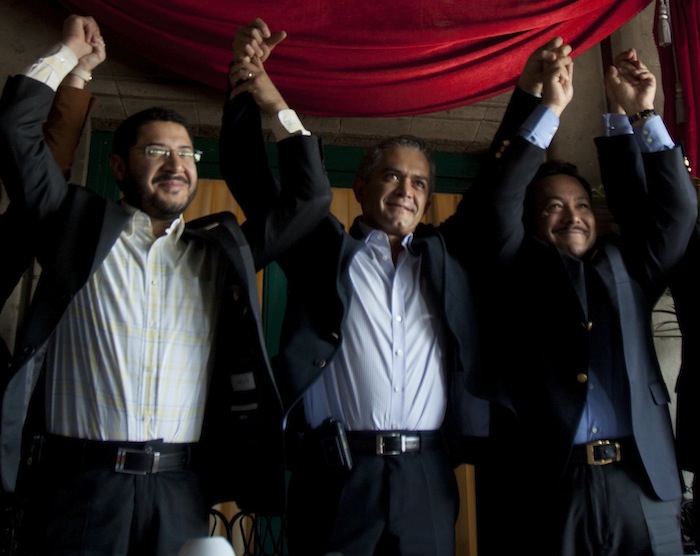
(287, 124)
(653, 136)
(616, 124)
(540, 127)
(53, 67)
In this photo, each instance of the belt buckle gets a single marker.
(381, 444)
(590, 452)
(120, 466)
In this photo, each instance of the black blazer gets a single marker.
(544, 344)
(319, 291)
(85, 226)
(62, 131)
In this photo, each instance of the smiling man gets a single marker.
(591, 446)
(141, 374)
(560, 208)
(379, 353)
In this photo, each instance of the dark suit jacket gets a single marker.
(62, 131)
(544, 346)
(319, 292)
(85, 226)
(630, 211)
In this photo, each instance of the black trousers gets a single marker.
(403, 505)
(607, 510)
(99, 512)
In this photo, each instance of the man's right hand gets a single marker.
(81, 34)
(630, 83)
(255, 41)
(250, 76)
(558, 85)
(532, 76)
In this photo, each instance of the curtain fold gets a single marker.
(362, 58)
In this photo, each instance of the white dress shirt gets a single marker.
(389, 371)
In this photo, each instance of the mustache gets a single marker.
(170, 177)
(573, 228)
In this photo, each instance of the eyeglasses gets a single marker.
(161, 153)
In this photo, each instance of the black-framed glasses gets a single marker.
(155, 152)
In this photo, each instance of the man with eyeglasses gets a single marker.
(141, 388)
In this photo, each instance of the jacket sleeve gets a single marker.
(652, 199)
(475, 212)
(32, 178)
(278, 213)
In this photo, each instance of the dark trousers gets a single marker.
(99, 512)
(403, 505)
(607, 510)
(612, 511)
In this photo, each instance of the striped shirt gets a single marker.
(132, 355)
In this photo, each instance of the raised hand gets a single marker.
(532, 76)
(80, 34)
(99, 53)
(558, 84)
(250, 76)
(630, 84)
(255, 41)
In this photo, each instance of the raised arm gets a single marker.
(32, 178)
(646, 181)
(509, 169)
(278, 214)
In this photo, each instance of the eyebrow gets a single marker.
(166, 146)
(561, 198)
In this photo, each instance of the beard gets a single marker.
(156, 203)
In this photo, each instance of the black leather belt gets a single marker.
(602, 452)
(392, 443)
(135, 458)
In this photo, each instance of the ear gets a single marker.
(358, 187)
(118, 167)
(428, 202)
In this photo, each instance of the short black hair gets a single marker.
(552, 168)
(373, 155)
(127, 133)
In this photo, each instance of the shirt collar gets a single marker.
(141, 220)
(374, 235)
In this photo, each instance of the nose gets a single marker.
(571, 214)
(174, 160)
(403, 187)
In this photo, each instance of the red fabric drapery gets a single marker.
(365, 57)
(681, 81)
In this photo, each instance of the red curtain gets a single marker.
(679, 73)
(362, 57)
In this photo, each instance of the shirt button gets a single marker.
(594, 430)
(582, 378)
(399, 352)
(399, 318)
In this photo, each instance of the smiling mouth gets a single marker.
(400, 207)
(574, 230)
(174, 182)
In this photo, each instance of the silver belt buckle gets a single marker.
(590, 452)
(122, 455)
(381, 444)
